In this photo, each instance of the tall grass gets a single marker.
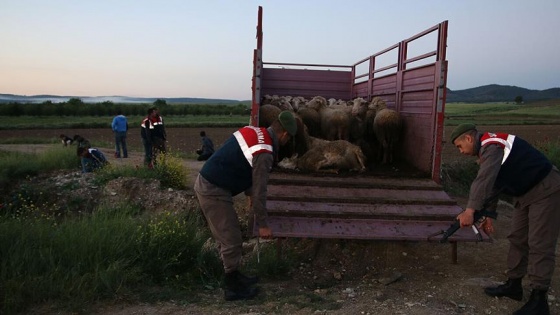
(15, 165)
(169, 170)
(69, 261)
(109, 253)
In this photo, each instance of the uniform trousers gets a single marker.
(534, 233)
(217, 206)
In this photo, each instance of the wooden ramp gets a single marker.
(361, 207)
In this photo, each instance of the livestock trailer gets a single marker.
(411, 77)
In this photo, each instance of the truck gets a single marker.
(398, 206)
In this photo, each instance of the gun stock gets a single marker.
(457, 225)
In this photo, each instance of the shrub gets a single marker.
(169, 170)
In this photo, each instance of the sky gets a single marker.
(204, 48)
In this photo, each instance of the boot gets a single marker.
(511, 289)
(244, 280)
(537, 304)
(236, 289)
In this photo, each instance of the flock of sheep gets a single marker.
(335, 135)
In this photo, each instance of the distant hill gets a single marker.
(481, 94)
(500, 93)
(6, 98)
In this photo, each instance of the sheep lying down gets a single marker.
(328, 156)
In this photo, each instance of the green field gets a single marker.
(54, 122)
(502, 114)
(455, 113)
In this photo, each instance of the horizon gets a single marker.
(218, 98)
(176, 48)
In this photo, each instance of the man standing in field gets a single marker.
(159, 136)
(146, 130)
(120, 128)
(510, 165)
(242, 164)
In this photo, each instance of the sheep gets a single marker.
(327, 156)
(387, 126)
(267, 114)
(311, 119)
(298, 143)
(359, 111)
(296, 102)
(335, 122)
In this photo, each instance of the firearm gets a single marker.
(479, 216)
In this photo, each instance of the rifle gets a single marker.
(478, 217)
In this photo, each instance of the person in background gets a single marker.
(92, 159)
(510, 165)
(207, 148)
(242, 164)
(159, 135)
(120, 128)
(146, 130)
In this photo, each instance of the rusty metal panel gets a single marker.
(355, 180)
(419, 78)
(384, 86)
(364, 229)
(368, 210)
(353, 195)
(306, 83)
(360, 90)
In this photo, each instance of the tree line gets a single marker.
(76, 107)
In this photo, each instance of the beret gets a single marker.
(288, 122)
(461, 129)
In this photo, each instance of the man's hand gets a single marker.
(265, 232)
(466, 217)
(487, 226)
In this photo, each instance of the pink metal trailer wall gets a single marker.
(413, 83)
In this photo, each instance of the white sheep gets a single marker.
(387, 126)
(328, 156)
(335, 122)
(267, 114)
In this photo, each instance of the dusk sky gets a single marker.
(179, 48)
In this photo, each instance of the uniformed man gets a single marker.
(242, 164)
(510, 165)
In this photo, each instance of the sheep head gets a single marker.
(359, 107)
(317, 103)
(377, 104)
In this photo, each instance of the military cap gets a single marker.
(461, 129)
(288, 122)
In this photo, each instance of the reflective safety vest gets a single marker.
(523, 166)
(231, 167)
(143, 132)
(253, 141)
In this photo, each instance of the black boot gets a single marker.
(511, 289)
(236, 290)
(246, 280)
(537, 304)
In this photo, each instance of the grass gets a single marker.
(72, 261)
(107, 254)
(16, 165)
(502, 114)
(69, 261)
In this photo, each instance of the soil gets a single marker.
(334, 276)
